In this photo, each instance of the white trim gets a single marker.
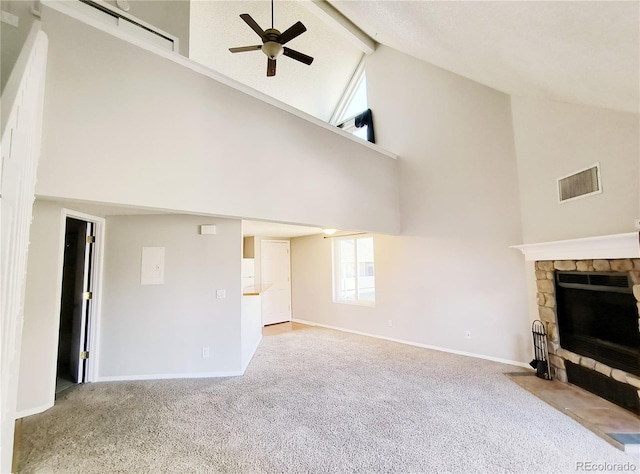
(417, 344)
(335, 258)
(349, 92)
(132, 19)
(598, 191)
(197, 375)
(280, 241)
(36, 41)
(340, 23)
(210, 73)
(605, 246)
(93, 340)
(34, 411)
(127, 17)
(22, 115)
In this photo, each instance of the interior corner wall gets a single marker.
(451, 270)
(556, 139)
(39, 352)
(158, 331)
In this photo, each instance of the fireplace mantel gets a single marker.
(602, 247)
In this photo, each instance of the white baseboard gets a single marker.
(198, 375)
(34, 411)
(417, 344)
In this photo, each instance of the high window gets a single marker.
(352, 114)
(353, 270)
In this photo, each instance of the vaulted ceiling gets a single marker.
(584, 52)
(216, 26)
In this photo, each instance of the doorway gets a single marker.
(275, 273)
(76, 302)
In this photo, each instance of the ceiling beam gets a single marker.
(332, 17)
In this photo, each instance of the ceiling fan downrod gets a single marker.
(273, 42)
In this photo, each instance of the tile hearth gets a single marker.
(616, 425)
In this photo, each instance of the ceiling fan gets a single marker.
(273, 42)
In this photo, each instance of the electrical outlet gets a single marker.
(636, 222)
(389, 323)
(220, 294)
(468, 334)
(205, 352)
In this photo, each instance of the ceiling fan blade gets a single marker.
(254, 26)
(242, 49)
(293, 54)
(271, 67)
(288, 35)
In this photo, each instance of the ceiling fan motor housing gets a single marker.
(273, 42)
(272, 48)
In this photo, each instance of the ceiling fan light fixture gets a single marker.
(272, 49)
(273, 42)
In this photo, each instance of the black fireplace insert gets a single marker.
(598, 318)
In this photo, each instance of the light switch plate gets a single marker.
(220, 294)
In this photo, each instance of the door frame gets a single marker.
(93, 334)
(285, 241)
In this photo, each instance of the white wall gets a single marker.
(160, 330)
(146, 331)
(126, 126)
(42, 310)
(451, 270)
(251, 327)
(556, 139)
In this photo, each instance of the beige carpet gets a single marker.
(316, 401)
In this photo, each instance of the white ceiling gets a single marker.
(273, 229)
(316, 89)
(584, 52)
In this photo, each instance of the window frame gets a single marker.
(336, 270)
(349, 126)
(347, 96)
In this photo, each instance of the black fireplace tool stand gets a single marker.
(541, 353)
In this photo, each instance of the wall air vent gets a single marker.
(580, 184)
(595, 281)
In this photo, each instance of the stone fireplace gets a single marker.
(612, 257)
(561, 358)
